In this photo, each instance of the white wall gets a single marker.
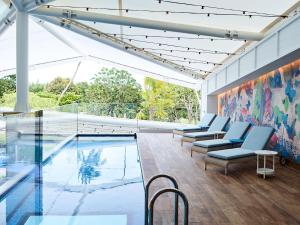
(281, 45)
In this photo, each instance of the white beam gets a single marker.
(35, 4)
(144, 23)
(59, 36)
(17, 4)
(22, 104)
(94, 34)
(8, 20)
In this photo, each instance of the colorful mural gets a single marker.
(273, 99)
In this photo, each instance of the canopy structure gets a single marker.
(181, 42)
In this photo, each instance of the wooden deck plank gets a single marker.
(239, 198)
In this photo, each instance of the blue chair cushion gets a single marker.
(199, 134)
(191, 128)
(216, 143)
(237, 130)
(234, 153)
(207, 119)
(219, 124)
(258, 137)
(236, 140)
(212, 143)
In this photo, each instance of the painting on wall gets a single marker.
(273, 100)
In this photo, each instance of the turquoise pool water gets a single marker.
(90, 179)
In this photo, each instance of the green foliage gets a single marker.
(81, 90)
(35, 101)
(37, 87)
(47, 95)
(158, 98)
(168, 102)
(57, 85)
(69, 98)
(7, 84)
(112, 92)
(118, 89)
(2, 138)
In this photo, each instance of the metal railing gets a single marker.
(149, 207)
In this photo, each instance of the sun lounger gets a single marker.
(232, 139)
(203, 125)
(257, 139)
(215, 131)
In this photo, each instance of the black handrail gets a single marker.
(172, 179)
(177, 192)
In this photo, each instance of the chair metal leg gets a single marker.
(226, 170)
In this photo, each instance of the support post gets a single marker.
(22, 62)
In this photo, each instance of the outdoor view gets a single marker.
(111, 92)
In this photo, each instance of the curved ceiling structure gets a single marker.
(189, 38)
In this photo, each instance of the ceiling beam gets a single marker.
(114, 42)
(31, 5)
(17, 4)
(8, 20)
(145, 23)
(35, 4)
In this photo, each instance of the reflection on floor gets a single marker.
(240, 198)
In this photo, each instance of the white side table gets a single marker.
(264, 170)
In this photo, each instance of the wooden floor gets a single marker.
(239, 198)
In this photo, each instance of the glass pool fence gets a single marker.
(29, 138)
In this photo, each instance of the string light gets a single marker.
(174, 37)
(190, 59)
(189, 51)
(222, 8)
(166, 11)
(179, 46)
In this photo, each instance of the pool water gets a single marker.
(87, 178)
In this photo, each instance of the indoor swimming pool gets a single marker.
(90, 180)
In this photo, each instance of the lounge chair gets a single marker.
(257, 139)
(232, 139)
(215, 131)
(203, 125)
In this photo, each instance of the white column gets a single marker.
(22, 62)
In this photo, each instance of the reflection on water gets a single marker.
(88, 177)
(89, 165)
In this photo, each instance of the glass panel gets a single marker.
(58, 124)
(107, 118)
(20, 146)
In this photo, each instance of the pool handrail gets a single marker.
(175, 184)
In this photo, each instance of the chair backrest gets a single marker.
(258, 137)
(237, 130)
(219, 124)
(207, 119)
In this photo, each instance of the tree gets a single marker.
(57, 85)
(81, 89)
(7, 85)
(118, 90)
(165, 101)
(158, 99)
(69, 98)
(36, 87)
(187, 98)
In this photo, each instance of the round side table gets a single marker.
(264, 170)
